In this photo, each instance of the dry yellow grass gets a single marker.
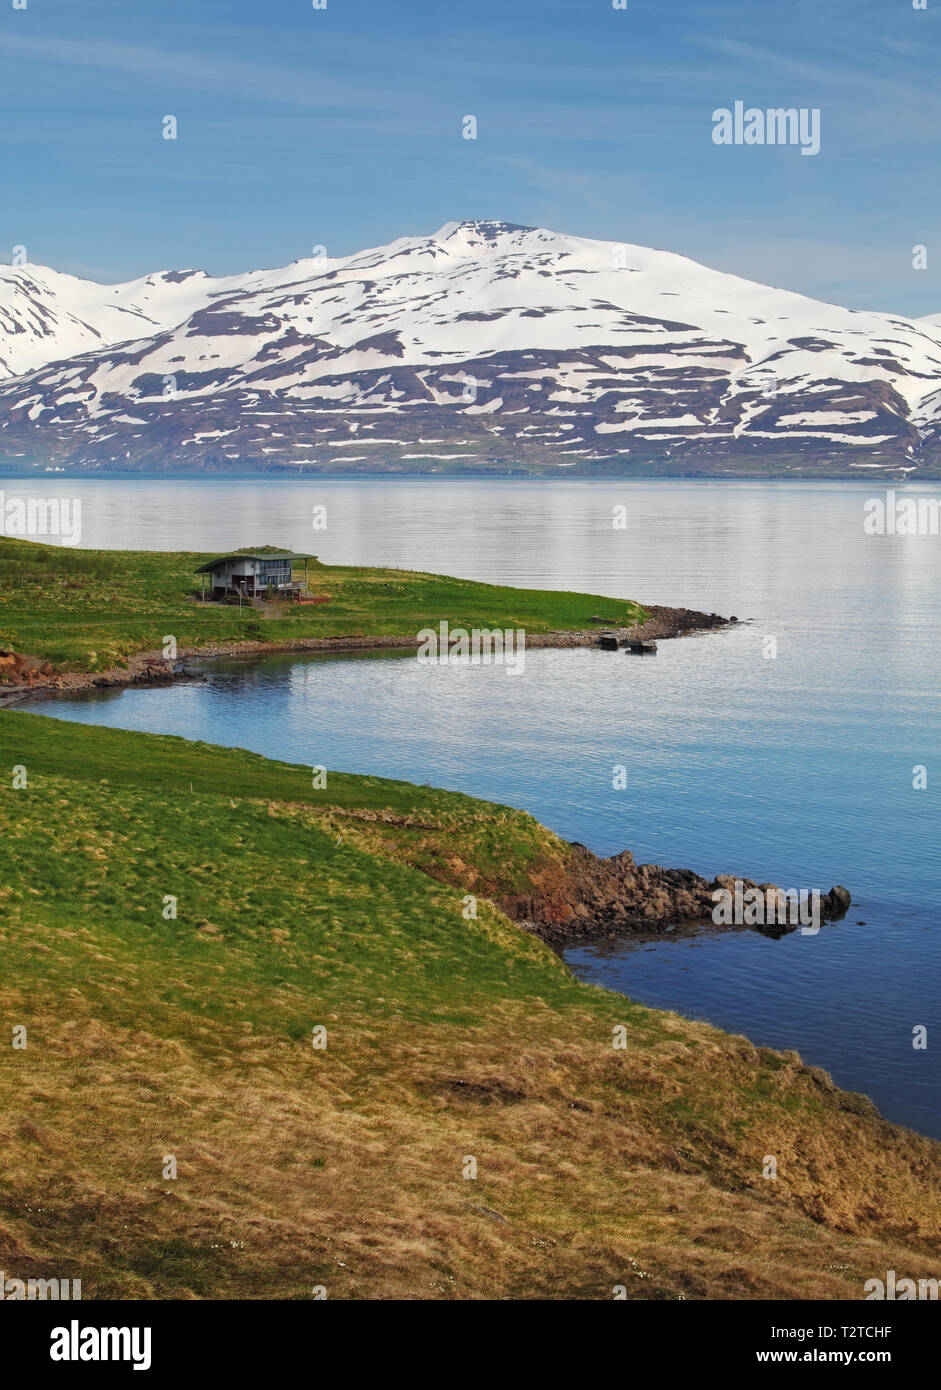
(298, 1168)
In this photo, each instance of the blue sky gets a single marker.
(342, 127)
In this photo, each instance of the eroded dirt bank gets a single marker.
(572, 895)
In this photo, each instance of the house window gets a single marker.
(274, 571)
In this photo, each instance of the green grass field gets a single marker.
(90, 610)
(448, 1039)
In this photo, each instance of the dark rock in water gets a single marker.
(642, 648)
(608, 642)
(836, 903)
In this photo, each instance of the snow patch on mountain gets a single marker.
(520, 344)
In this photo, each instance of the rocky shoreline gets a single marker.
(152, 668)
(594, 899)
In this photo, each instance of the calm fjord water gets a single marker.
(796, 769)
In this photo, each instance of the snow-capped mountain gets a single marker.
(484, 347)
(45, 315)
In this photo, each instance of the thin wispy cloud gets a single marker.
(173, 69)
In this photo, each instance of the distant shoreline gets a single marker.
(151, 669)
(637, 473)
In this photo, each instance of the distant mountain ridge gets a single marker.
(486, 347)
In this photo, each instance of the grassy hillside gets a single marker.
(447, 1038)
(92, 609)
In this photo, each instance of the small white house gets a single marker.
(255, 576)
